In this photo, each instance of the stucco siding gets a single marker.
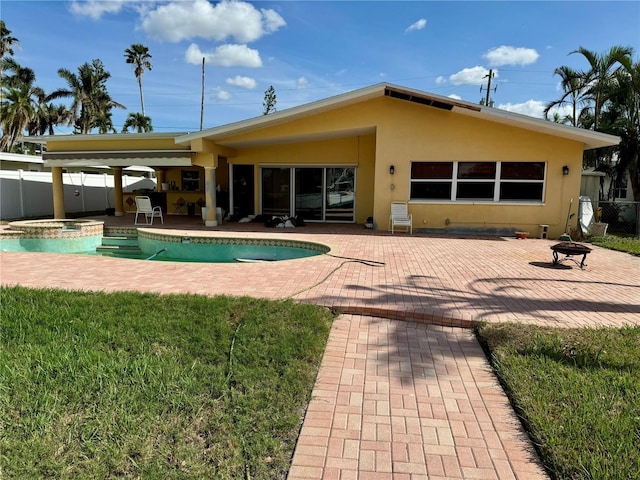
(353, 151)
(408, 132)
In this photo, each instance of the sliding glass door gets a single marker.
(340, 194)
(318, 194)
(276, 195)
(309, 188)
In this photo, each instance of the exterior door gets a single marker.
(276, 192)
(309, 188)
(242, 190)
(319, 193)
(340, 194)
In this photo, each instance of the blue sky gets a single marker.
(309, 50)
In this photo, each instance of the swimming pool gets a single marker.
(184, 248)
(163, 246)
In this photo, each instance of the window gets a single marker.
(621, 187)
(190, 180)
(478, 181)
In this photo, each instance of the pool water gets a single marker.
(175, 249)
(85, 245)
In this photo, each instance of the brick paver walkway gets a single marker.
(411, 399)
(403, 400)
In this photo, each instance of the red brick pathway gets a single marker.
(402, 400)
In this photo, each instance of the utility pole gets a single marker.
(490, 76)
(202, 101)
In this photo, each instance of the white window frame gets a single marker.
(496, 181)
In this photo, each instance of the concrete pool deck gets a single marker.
(394, 399)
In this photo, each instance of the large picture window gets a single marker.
(478, 181)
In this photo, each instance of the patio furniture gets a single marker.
(177, 210)
(569, 249)
(144, 207)
(400, 217)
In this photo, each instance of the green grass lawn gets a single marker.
(578, 392)
(131, 385)
(623, 244)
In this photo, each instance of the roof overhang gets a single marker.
(145, 158)
(20, 157)
(588, 138)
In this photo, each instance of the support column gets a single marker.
(160, 176)
(210, 219)
(58, 193)
(117, 191)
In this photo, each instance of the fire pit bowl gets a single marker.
(569, 249)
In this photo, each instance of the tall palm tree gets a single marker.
(6, 40)
(139, 56)
(622, 118)
(92, 104)
(139, 122)
(7, 43)
(573, 95)
(602, 69)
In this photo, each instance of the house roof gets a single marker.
(588, 138)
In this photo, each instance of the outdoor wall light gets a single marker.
(565, 170)
(392, 170)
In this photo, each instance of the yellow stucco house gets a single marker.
(461, 167)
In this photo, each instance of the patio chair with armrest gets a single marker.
(144, 207)
(400, 217)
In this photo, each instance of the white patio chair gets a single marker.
(143, 207)
(400, 217)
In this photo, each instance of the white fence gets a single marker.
(30, 194)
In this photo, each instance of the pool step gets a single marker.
(120, 240)
(119, 245)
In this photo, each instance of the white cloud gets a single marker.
(505, 55)
(471, 76)
(272, 20)
(454, 96)
(302, 83)
(419, 25)
(177, 21)
(224, 56)
(533, 108)
(221, 94)
(440, 80)
(96, 8)
(244, 82)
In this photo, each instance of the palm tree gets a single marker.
(573, 95)
(6, 40)
(6, 43)
(139, 122)
(92, 105)
(48, 116)
(139, 56)
(18, 109)
(622, 118)
(596, 81)
(18, 103)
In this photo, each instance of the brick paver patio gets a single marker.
(412, 399)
